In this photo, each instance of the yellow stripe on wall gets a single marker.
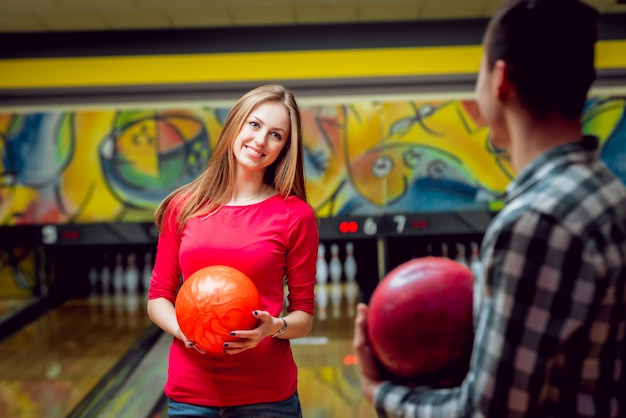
(256, 66)
(611, 54)
(235, 67)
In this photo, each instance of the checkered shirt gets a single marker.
(551, 302)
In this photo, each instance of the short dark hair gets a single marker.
(549, 45)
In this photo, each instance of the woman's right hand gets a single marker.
(162, 312)
(189, 344)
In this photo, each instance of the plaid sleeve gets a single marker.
(530, 301)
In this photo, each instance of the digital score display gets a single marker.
(52, 234)
(401, 224)
(372, 226)
(70, 234)
(349, 227)
(341, 227)
(406, 225)
(99, 234)
(435, 223)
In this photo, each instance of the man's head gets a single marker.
(545, 49)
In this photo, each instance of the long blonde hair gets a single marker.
(214, 187)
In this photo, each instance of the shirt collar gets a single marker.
(583, 151)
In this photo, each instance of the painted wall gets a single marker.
(17, 275)
(362, 158)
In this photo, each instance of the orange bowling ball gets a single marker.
(214, 301)
(420, 324)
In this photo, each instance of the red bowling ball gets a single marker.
(420, 324)
(214, 301)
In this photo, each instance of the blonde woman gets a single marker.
(247, 210)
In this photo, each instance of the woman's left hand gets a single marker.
(247, 339)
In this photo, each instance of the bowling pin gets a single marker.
(336, 294)
(321, 300)
(147, 271)
(349, 264)
(475, 263)
(321, 273)
(460, 254)
(444, 250)
(132, 274)
(352, 293)
(335, 267)
(93, 278)
(118, 275)
(105, 277)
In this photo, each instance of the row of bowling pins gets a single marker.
(463, 256)
(335, 268)
(329, 296)
(123, 277)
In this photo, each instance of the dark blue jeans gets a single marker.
(289, 408)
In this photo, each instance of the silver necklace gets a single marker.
(253, 198)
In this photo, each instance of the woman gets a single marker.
(247, 210)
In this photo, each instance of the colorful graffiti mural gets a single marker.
(17, 274)
(365, 158)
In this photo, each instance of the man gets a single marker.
(551, 302)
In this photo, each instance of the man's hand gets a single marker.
(371, 375)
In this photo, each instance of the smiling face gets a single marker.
(264, 134)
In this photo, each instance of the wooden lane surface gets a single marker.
(51, 365)
(328, 379)
(48, 367)
(142, 391)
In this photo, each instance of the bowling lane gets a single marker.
(51, 365)
(328, 380)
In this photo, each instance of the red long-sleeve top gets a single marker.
(268, 241)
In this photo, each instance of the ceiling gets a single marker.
(110, 15)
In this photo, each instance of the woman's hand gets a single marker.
(247, 339)
(162, 312)
(188, 343)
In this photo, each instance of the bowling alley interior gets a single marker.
(106, 107)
